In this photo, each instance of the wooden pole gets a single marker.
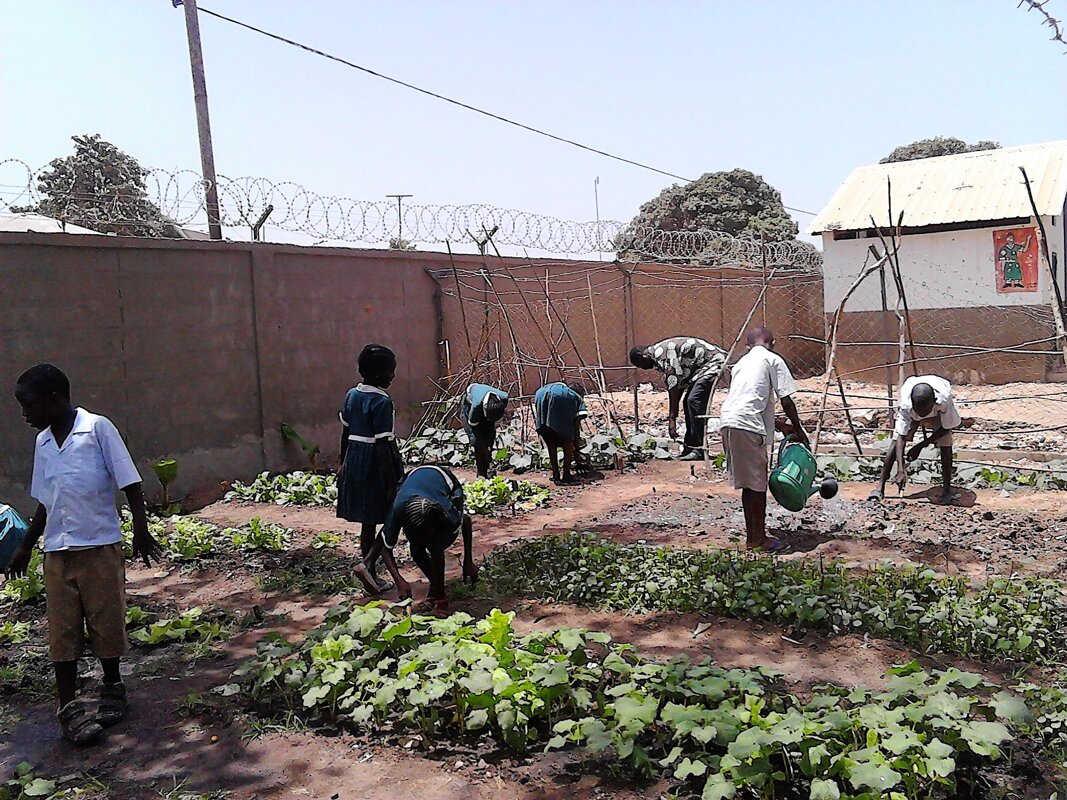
(830, 366)
(609, 404)
(848, 416)
(1057, 306)
(203, 122)
(459, 297)
(628, 319)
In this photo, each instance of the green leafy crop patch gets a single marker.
(491, 495)
(294, 489)
(1016, 618)
(187, 539)
(712, 731)
(187, 626)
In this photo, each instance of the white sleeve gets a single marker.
(116, 457)
(902, 427)
(37, 482)
(950, 417)
(782, 378)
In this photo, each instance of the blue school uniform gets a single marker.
(558, 408)
(362, 495)
(434, 483)
(472, 412)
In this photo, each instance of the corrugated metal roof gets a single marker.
(969, 187)
(37, 223)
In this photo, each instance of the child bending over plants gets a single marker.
(558, 413)
(482, 408)
(429, 509)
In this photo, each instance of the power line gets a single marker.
(459, 103)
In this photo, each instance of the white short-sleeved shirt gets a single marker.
(944, 409)
(76, 483)
(754, 380)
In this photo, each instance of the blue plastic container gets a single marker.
(13, 529)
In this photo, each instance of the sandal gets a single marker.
(435, 606)
(79, 724)
(113, 704)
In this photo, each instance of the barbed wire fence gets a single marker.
(296, 209)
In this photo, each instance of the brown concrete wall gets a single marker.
(986, 327)
(199, 350)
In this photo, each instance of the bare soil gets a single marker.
(164, 742)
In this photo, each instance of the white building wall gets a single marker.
(941, 270)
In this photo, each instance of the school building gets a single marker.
(979, 297)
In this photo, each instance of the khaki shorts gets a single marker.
(746, 458)
(86, 589)
(931, 425)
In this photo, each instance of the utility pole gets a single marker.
(203, 122)
(399, 217)
(596, 200)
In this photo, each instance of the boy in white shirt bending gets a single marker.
(79, 461)
(747, 424)
(925, 401)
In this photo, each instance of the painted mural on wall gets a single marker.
(1015, 254)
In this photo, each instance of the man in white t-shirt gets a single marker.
(747, 424)
(925, 401)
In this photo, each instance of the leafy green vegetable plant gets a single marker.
(166, 470)
(187, 626)
(30, 587)
(1016, 618)
(719, 732)
(489, 495)
(294, 489)
(14, 632)
(325, 540)
(260, 535)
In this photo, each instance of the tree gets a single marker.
(738, 202)
(101, 188)
(937, 146)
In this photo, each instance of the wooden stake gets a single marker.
(831, 366)
(1057, 308)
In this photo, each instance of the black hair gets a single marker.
(420, 517)
(637, 354)
(759, 334)
(375, 361)
(495, 405)
(922, 392)
(46, 380)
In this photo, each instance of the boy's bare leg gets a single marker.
(553, 456)
(947, 495)
(66, 680)
(481, 460)
(366, 543)
(437, 576)
(568, 459)
(755, 506)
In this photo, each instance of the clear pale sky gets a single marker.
(800, 92)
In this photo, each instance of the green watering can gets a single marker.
(793, 476)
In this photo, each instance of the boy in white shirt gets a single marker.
(747, 424)
(925, 401)
(79, 461)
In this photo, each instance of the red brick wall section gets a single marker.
(985, 328)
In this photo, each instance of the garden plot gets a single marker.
(210, 713)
